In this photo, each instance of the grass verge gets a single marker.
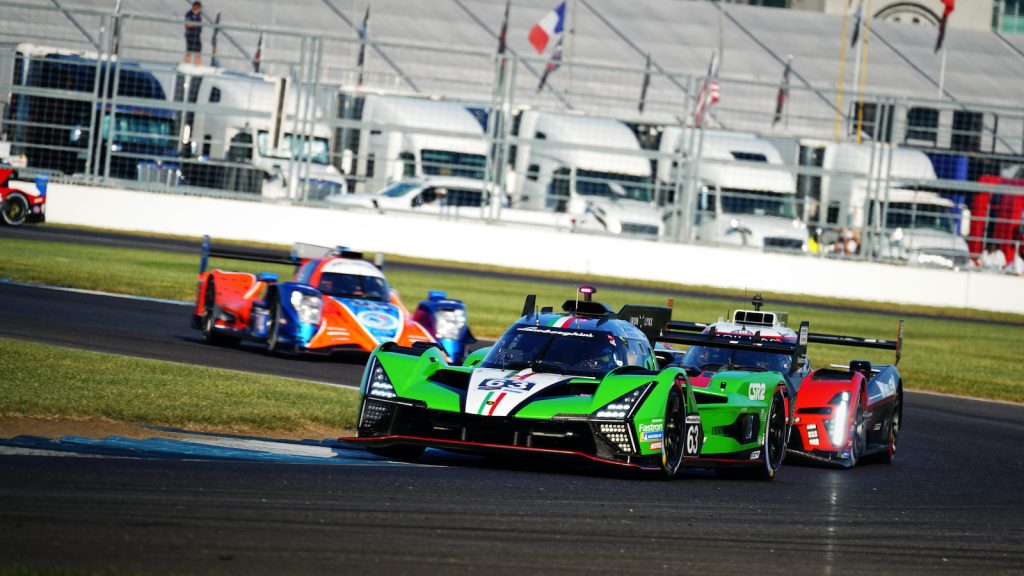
(54, 382)
(974, 358)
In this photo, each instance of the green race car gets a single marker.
(585, 382)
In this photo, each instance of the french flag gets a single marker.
(550, 25)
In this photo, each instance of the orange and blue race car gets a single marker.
(336, 301)
(19, 206)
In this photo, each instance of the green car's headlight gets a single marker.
(379, 385)
(623, 407)
(308, 307)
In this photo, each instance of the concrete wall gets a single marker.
(530, 248)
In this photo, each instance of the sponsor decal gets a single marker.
(693, 419)
(657, 420)
(650, 428)
(515, 386)
(756, 391)
(755, 454)
(377, 320)
(656, 445)
(648, 436)
(557, 332)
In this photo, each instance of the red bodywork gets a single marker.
(35, 201)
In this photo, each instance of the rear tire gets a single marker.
(209, 320)
(14, 210)
(672, 437)
(895, 421)
(401, 452)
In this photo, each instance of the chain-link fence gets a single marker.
(283, 115)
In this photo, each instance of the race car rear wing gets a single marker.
(299, 254)
(833, 339)
(692, 334)
(241, 253)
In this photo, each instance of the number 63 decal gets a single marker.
(693, 436)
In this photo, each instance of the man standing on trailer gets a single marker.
(193, 32)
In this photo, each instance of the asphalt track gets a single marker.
(950, 504)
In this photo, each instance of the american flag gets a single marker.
(709, 94)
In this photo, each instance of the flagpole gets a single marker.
(864, 78)
(842, 72)
(571, 60)
(942, 73)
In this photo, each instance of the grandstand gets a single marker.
(445, 47)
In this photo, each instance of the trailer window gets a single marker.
(758, 202)
(609, 185)
(293, 146)
(448, 163)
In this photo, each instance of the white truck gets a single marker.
(251, 119)
(588, 167)
(746, 196)
(405, 137)
(919, 225)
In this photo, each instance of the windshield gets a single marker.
(140, 130)
(400, 189)
(354, 286)
(713, 358)
(928, 216)
(757, 202)
(608, 185)
(293, 146)
(448, 163)
(580, 352)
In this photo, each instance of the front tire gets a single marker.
(274, 329)
(14, 210)
(672, 438)
(775, 435)
(858, 433)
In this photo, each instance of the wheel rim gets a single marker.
(774, 438)
(672, 440)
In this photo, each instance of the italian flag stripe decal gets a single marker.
(484, 403)
(496, 402)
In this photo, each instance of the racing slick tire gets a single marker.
(775, 435)
(14, 210)
(672, 439)
(208, 322)
(773, 448)
(401, 452)
(894, 428)
(858, 433)
(274, 328)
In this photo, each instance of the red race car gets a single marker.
(336, 301)
(18, 206)
(841, 413)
